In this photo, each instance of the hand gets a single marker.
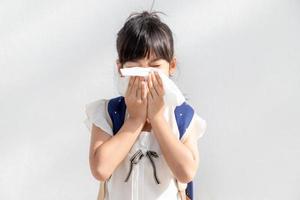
(136, 98)
(155, 96)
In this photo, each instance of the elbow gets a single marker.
(101, 174)
(185, 177)
(99, 171)
(186, 174)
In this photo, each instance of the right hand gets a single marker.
(136, 98)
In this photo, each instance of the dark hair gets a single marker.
(144, 33)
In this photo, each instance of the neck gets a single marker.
(147, 126)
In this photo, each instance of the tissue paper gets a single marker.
(173, 96)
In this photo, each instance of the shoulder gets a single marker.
(184, 111)
(106, 113)
(116, 104)
(188, 120)
(104, 103)
(96, 113)
(95, 105)
(184, 114)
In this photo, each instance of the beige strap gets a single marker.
(181, 195)
(181, 190)
(101, 191)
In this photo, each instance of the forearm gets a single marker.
(110, 154)
(178, 157)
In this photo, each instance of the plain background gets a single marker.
(238, 63)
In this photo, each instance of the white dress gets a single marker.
(141, 184)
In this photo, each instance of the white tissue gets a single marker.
(173, 95)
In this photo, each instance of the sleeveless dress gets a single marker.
(144, 173)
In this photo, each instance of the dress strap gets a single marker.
(133, 161)
(151, 154)
(137, 156)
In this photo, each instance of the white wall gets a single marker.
(239, 63)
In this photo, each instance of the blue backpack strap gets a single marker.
(189, 190)
(184, 114)
(116, 109)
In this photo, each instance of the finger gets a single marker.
(139, 90)
(147, 92)
(131, 80)
(160, 91)
(158, 78)
(150, 85)
(155, 84)
(135, 86)
(129, 87)
(159, 88)
(149, 98)
(143, 90)
(131, 91)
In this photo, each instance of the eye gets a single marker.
(129, 66)
(155, 65)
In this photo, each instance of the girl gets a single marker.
(153, 154)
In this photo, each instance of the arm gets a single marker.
(107, 152)
(181, 157)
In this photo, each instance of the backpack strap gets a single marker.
(116, 110)
(183, 114)
(189, 190)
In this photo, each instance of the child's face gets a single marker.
(165, 66)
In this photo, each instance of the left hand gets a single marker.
(155, 96)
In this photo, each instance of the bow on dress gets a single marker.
(137, 157)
